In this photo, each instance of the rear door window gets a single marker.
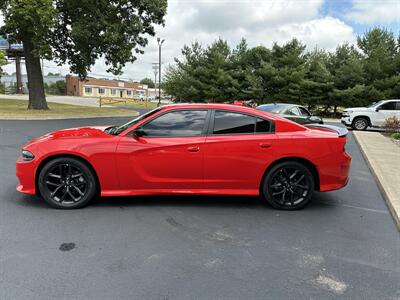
(226, 122)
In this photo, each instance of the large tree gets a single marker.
(78, 32)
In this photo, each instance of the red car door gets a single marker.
(238, 149)
(169, 154)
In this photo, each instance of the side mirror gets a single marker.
(137, 133)
(377, 109)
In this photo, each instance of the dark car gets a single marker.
(294, 112)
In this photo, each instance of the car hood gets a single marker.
(358, 109)
(72, 133)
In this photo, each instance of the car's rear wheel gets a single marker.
(288, 185)
(67, 183)
(360, 124)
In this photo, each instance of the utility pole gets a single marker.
(155, 70)
(160, 42)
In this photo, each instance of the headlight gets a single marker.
(27, 155)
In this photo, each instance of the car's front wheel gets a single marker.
(360, 124)
(288, 185)
(67, 182)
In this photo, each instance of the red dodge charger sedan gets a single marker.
(201, 149)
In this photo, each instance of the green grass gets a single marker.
(18, 109)
(396, 135)
(150, 105)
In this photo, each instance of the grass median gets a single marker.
(17, 109)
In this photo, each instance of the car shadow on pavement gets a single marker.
(252, 202)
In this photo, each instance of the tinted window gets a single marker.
(273, 108)
(398, 105)
(263, 126)
(304, 112)
(388, 106)
(177, 123)
(230, 122)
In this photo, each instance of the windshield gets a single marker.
(115, 130)
(273, 108)
(375, 104)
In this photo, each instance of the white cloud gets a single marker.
(373, 12)
(260, 22)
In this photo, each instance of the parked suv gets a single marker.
(360, 118)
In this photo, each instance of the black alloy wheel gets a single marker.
(67, 183)
(288, 186)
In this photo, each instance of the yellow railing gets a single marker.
(111, 100)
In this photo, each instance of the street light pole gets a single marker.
(155, 70)
(160, 42)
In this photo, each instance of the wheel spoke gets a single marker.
(69, 169)
(278, 193)
(283, 196)
(276, 185)
(300, 179)
(77, 175)
(78, 190)
(56, 190)
(53, 184)
(300, 186)
(294, 174)
(291, 197)
(54, 175)
(72, 196)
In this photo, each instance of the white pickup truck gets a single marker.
(360, 118)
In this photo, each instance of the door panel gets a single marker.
(167, 154)
(237, 161)
(161, 163)
(385, 111)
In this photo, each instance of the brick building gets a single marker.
(92, 87)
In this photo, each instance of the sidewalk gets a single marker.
(383, 158)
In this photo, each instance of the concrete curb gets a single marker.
(383, 159)
(133, 114)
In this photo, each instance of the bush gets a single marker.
(392, 124)
(396, 135)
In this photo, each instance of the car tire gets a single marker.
(67, 183)
(288, 186)
(359, 124)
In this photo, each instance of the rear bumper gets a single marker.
(25, 171)
(337, 174)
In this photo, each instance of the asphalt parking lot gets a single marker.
(343, 245)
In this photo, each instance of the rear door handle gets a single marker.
(265, 145)
(194, 149)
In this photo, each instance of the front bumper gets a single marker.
(25, 171)
(346, 121)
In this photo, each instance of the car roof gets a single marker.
(237, 108)
(279, 103)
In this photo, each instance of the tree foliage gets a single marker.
(78, 33)
(149, 82)
(349, 76)
(56, 88)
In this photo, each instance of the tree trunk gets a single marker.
(37, 98)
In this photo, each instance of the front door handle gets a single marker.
(194, 149)
(265, 145)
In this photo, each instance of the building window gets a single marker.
(129, 93)
(101, 91)
(88, 90)
(113, 92)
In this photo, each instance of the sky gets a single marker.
(317, 23)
